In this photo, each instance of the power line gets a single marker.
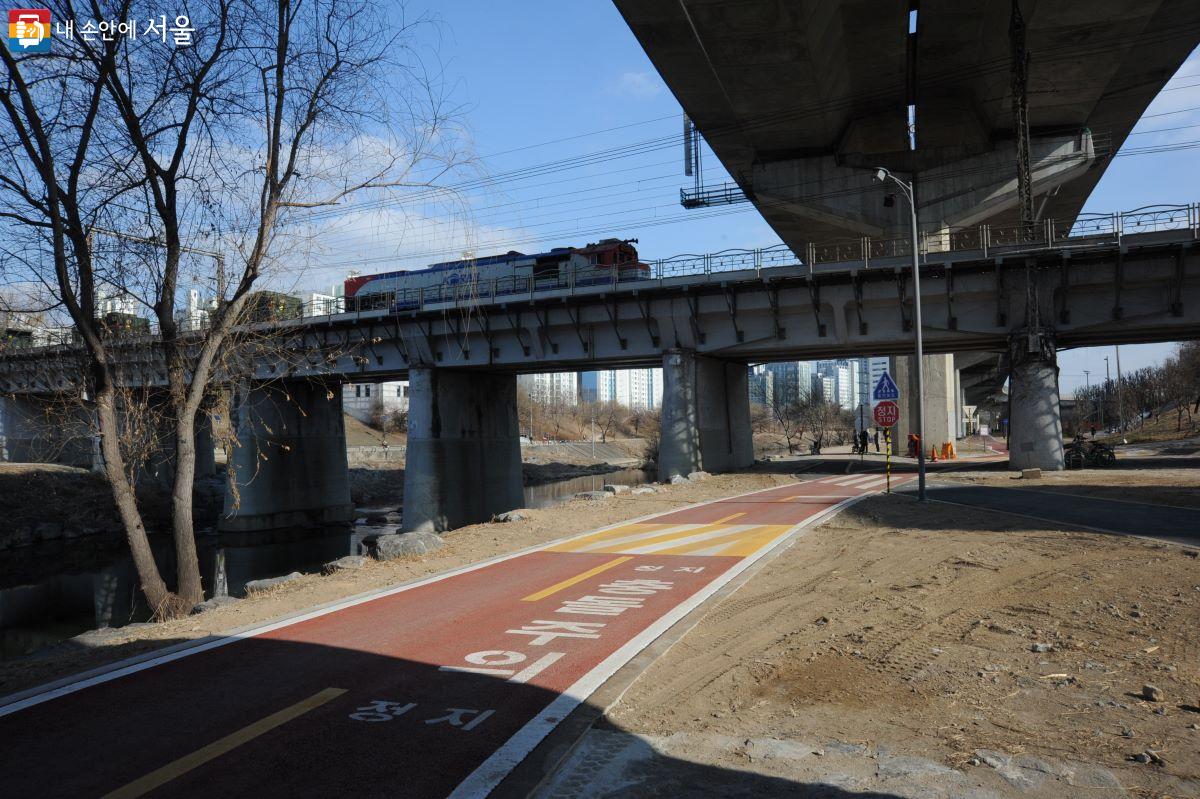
(692, 216)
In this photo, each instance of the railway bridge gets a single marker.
(1001, 295)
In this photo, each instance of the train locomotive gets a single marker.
(606, 261)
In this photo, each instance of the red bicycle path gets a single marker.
(434, 688)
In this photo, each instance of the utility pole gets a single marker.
(1120, 409)
(1104, 400)
(1087, 379)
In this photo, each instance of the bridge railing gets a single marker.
(862, 252)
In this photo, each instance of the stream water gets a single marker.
(53, 591)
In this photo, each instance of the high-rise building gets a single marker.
(762, 385)
(846, 384)
(828, 388)
(588, 386)
(792, 381)
(638, 389)
(560, 388)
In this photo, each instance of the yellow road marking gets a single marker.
(649, 540)
(741, 544)
(747, 546)
(616, 532)
(613, 541)
(554, 589)
(183, 765)
(696, 546)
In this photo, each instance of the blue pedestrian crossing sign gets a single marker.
(885, 389)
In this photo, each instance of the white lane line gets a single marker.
(799, 498)
(691, 539)
(493, 770)
(858, 478)
(876, 483)
(609, 542)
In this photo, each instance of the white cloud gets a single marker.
(638, 85)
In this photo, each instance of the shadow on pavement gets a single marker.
(276, 715)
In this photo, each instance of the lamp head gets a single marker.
(881, 174)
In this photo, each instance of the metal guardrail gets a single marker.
(1085, 230)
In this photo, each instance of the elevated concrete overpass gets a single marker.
(703, 319)
(800, 99)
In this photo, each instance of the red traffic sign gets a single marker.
(886, 413)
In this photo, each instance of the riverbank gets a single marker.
(462, 547)
(44, 502)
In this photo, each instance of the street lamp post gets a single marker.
(1104, 399)
(883, 175)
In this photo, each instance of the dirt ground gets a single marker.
(1179, 487)
(918, 631)
(463, 546)
(949, 637)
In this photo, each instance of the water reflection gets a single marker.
(547, 494)
(52, 591)
(55, 590)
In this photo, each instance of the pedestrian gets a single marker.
(862, 442)
(877, 439)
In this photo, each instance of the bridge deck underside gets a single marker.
(770, 82)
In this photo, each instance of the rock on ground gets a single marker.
(644, 490)
(679, 479)
(593, 495)
(270, 582)
(613, 488)
(510, 516)
(396, 545)
(696, 477)
(347, 562)
(214, 603)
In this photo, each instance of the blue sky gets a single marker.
(534, 72)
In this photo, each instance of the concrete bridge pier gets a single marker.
(705, 415)
(35, 430)
(1035, 424)
(161, 465)
(463, 461)
(943, 408)
(289, 466)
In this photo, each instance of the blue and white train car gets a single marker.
(610, 260)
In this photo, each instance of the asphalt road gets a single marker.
(438, 687)
(1164, 522)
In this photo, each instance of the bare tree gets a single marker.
(272, 109)
(790, 419)
(608, 416)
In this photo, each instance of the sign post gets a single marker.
(886, 413)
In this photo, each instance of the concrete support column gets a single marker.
(33, 430)
(705, 415)
(289, 466)
(463, 461)
(1035, 423)
(941, 401)
(17, 430)
(161, 465)
(206, 455)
